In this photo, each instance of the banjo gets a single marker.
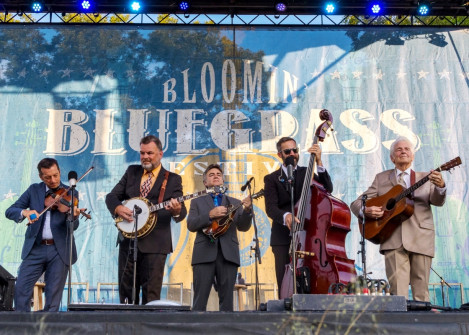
(147, 218)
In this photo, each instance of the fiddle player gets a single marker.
(46, 246)
(278, 201)
(216, 260)
(148, 180)
(409, 250)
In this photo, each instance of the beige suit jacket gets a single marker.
(416, 234)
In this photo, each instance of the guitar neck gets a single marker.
(183, 198)
(411, 189)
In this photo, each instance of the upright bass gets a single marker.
(318, 242)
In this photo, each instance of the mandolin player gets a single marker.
(216, 260)
(409, 250)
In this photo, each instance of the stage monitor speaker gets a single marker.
(7, 290)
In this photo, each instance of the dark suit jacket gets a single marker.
(159, 239)
(205, 250)
(277, 200)
(33, 198)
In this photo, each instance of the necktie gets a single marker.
(145, 188)
(400, 179)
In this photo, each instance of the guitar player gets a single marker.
(216, 260)
(408, 252)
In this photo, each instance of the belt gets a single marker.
(47, 242)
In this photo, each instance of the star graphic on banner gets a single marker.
(22, 73)
(444, 74)
(110, 74)
(66, 72)
(335, 74)
(422, 74)
(401, 74)
(379, 75)
(130, 73)
(357, 74)
(339, 195)
(101, 196)
(45, 73)
(464, 75)
(89, 73)
(81, 196)
(9, 195)
(315, 73)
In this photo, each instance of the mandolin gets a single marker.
(398, 206)
(219, 227)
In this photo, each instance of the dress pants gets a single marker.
(41, 258)
(404, 267)
(282, 258)
(150, 271)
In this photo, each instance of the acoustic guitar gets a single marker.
(398, 206)
(219, 227)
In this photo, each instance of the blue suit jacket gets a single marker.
(33, 198)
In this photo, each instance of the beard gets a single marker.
(148, 166)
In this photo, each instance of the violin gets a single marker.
(62, 201)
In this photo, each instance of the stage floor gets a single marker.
(250, 322)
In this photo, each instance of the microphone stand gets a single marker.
(290, 181)
(362, 241)
(442, 282)
(257, 254)
(137, 211)
(71, 221)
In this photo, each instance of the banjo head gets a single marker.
(128, 227)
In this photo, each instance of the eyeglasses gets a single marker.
(287, 151)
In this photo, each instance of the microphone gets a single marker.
(364, 197)
(289, 162)
(247, 184)
(72, 178)
(137, 210)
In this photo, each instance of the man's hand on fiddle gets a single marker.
(27, 214)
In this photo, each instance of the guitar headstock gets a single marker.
(322, 129)
(451, 164)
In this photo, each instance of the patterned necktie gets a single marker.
(145, 188)
(401, 180)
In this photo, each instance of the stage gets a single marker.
(172, 322)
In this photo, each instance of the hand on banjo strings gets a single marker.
(125, 213)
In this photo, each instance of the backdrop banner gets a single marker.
(85, 95)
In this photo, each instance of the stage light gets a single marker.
(36, 6)
(135, 5)
(423, 8)
(375, 8)
(329, 8)
(86, 5)
(184, 6)
(280, 7)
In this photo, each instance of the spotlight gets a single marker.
(85, 4)
(135, 6)
(184, 6)
(375, 8)
(329, 8)
(423, 8)
(280, 7)
(36, 6)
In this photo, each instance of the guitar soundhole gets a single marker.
(391, 203)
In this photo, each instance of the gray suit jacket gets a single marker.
(416, 234)
(205, 250)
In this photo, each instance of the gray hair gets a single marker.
(401, 139)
